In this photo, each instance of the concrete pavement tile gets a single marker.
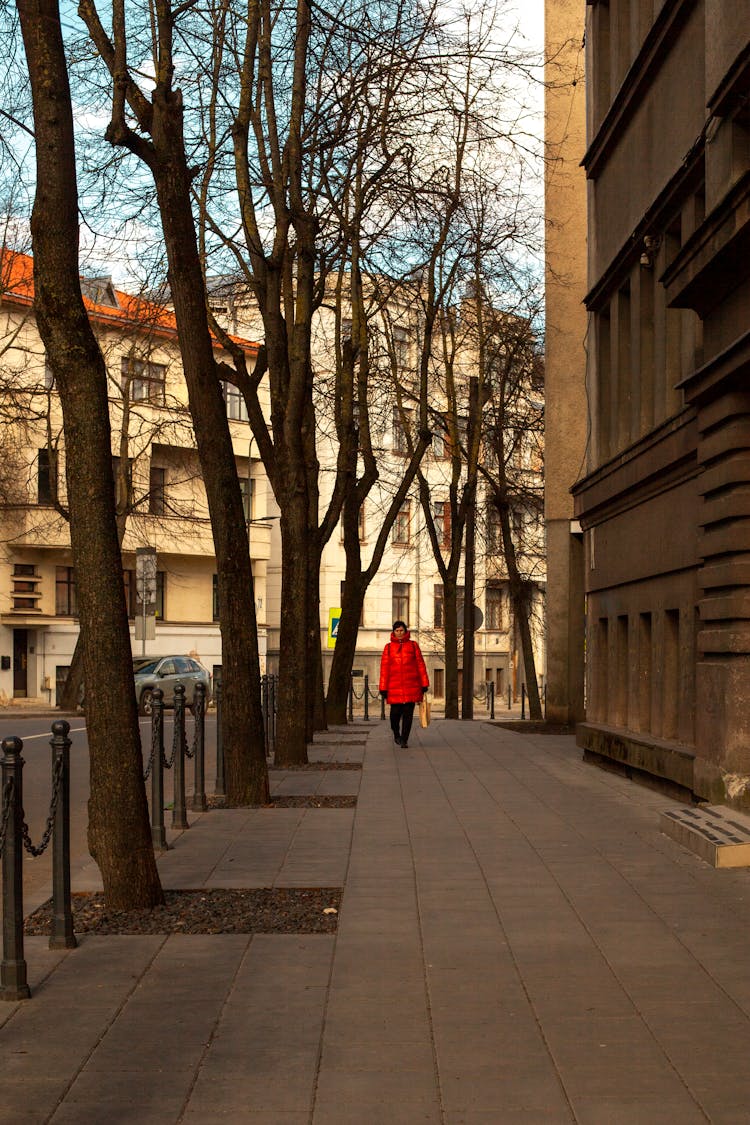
(334, 1112)
(29, 1102)
(119, 1099)
(378, 1086)
(197, 1116)
(415, 1056)
(498, 1086)
(511, 1115)
(615, 1111)
(244, 1090)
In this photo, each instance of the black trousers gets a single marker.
(402, 715)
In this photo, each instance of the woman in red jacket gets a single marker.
(403, 680)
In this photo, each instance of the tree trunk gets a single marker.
(71, 694)
(119, 832)
(519, 596)
(467, 693)
(450, 609)
(339, 680)
(291, 742)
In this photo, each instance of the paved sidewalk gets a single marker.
(517, 943)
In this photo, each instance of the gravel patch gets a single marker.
(294, 801)
(267, 910)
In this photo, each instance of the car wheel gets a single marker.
(147, 702)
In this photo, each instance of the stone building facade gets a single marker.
(665, 500)
(565, 354)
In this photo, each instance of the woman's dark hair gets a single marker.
(397, 623)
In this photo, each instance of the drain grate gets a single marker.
(720, 836)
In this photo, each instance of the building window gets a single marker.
(236, 409)
(66, 598)
(143, 381)
(402, 525)
(438, 601)
(442, 517)
(401, 428)
(161, 594)
(401, 347)
(400, 601)
(493, 608)
(46, 476)
(361, 523)
(156, 490)
(494, 530)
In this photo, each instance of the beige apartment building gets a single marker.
(664, 500)
(408, 584)
(160, 491)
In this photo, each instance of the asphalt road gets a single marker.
(37, 784)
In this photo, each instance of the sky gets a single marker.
(121, 258)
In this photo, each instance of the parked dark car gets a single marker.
(166, 672)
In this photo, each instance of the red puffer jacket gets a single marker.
(402, 671)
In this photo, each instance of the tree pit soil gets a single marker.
(269, 910)
(317, 766)
(295, 801)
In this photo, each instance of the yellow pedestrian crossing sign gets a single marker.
(334, 616)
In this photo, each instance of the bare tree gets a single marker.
(119, 834)
(514, 436)
(152, 128)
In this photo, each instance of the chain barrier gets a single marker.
(152, 756)
(169, 762)
(47, 835)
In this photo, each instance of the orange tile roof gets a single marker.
(17, 287)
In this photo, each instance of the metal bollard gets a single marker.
(199, 804)
(219, 788)
(351, 699)
(13, 984)
(264, 693)
(509, 697)
(158, 831)
(272, 694)
(62, 936)
(491, 686)
(179, 813)
(367, 697)
(523, 701)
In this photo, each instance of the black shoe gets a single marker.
(404, 745)
(397, 740)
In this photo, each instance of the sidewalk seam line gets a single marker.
(121, 1006)
(207, 1046)
(324, 1021)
